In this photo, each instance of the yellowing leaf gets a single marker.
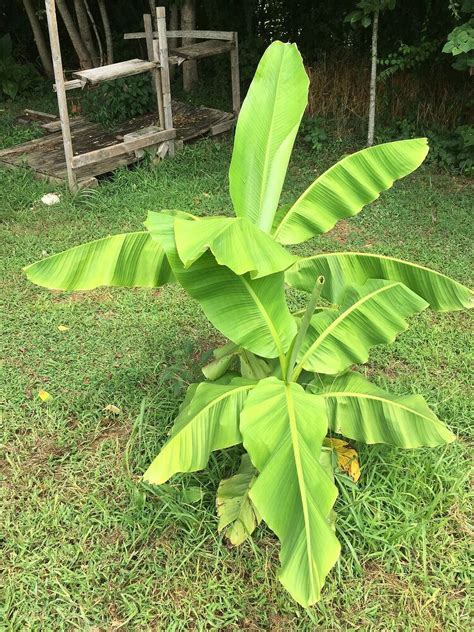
(63, 328)
(347, 457)
(43, 395)
(110, 408)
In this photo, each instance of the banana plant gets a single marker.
(284, 381)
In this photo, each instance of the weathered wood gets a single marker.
(137, 142)
(54, 126)
(45, 155)
(219, 35)
(73, 84)
(220, 128)
(165, 72)
(156, 72)
(235, 76)
(43, 117)
(61, 92)
(199, 50)
(128, 68)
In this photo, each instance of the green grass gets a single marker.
(86, 547)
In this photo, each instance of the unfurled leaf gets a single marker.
(370, 315)
(254, 314)
(209, 421)
(228, 239)
(364, 412)
(344, 189)
(283, 428)
(44, 395)
(237, 515)
(347, 457)
(127, 260)
(111, 408)
(341, 269)
(266, 130)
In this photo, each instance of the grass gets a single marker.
(86, 547)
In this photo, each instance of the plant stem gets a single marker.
(304, 324)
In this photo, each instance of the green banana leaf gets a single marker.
(371, 314)
(250, 312)
(283, 428)
(209, 421)
(126, 260)
(235, 242)
(341, 269)
(344, 189)
(237, 515)
(266, 130)
(362, 411)
(223, 356)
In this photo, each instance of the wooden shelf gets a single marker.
(208, 48)
(114, 71)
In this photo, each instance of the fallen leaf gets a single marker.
(347, 457)
(63, 328)
(115, 410)
(43, 395)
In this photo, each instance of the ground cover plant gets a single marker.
(295, 381)
(82, 548)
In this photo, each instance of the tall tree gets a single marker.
(85, 60)
(366, 14)
(40, 41)
(85, 30)
(188, 23)
(107, 31)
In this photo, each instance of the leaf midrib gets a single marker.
(384, 400)
(301, 484)
(320, 339)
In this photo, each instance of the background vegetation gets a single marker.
(83, 546)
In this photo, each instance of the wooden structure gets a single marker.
(79, 150)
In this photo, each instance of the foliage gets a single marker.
(407, 57)
(461, 44)
(314, 132)
(115, 101)
(15, 78)
(365, 9)
(295, 384)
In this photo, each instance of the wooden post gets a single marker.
(156, 73)
(165, 72)
(235, 76)
(60, 90)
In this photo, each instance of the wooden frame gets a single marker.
(230, 44)
(158, 64)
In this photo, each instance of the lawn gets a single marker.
(86, 547)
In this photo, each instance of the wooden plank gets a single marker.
(165, 73)
(73, 84)
(60, 92)
(219, 35)
(199, 50)
(156, 73)
(112, 151)
(235, 76)
(128, 68)
(219, 128)
(43, 117)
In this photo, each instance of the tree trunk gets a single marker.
(96, 33)
(373, 80)
(173, 26)
(108, 33)
(188, 23)
(40, 41)
(84, 30)
(85, 60)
